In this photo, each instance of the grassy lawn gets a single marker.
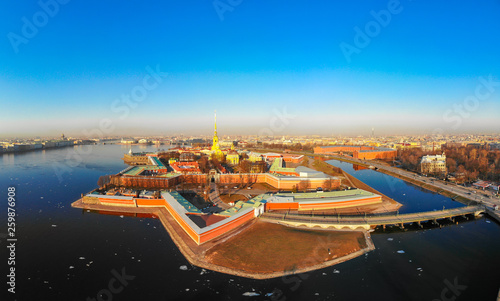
(267, 247)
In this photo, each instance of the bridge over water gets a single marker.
(371, 221)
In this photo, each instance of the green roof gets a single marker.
(185, 203)
(276, 166)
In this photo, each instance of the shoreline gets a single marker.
(195, 254)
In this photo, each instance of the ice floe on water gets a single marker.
(335, 271)
(81, 258)
(390, 239)
(488, 221)
(203, 271)
(401, 252)
(54, 226)
(251, 294)
(183, 267)
(71, 267)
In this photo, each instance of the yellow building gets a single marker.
(433, 164)
(233, 157)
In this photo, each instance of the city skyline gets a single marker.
(281, 68)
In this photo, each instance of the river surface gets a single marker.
(64, 253)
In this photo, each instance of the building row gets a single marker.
(364, 152)
(202, 227)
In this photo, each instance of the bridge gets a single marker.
(367, 222)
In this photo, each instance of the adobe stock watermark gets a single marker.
(30, 27)
(451, 290)
(223, 6)
(363, 37)
(116, 285)
(277, 123)
(123, 106)
(463, 110)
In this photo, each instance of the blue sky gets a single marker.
(262, 57)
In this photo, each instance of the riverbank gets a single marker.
(388, 204)
(413, 181)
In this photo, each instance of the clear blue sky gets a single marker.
(259, 58)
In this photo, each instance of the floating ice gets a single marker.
(401, 252)
(121, 216)
(71, 267)
(187, 290)
(203, 271)
(81, 258)
(324, 274)
(269, 294)
(390, 239)
(183, 268)
(251, 294)
(54, 226)
(488, 221)
(335, 271)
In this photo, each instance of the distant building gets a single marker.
(186, 157)
(494, 146)
(433, 164)
(232, 157)
(255, 157)
(128, 141)
(363, 152)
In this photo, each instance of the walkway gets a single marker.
(367, 222)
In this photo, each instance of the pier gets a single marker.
(368, 222)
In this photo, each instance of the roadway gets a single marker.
(483, 197)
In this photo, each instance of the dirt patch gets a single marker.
(233, 198)
(268, 248)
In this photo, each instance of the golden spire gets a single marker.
(215, 123)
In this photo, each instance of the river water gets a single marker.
(64, 253)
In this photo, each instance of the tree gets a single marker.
(103, 180)
(244, 166)
(304, 185)
(327, 184)
(305, 161)
(451, 164)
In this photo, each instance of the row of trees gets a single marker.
(246, 166)
(473, 163)
(305, 185)
(467, 163)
